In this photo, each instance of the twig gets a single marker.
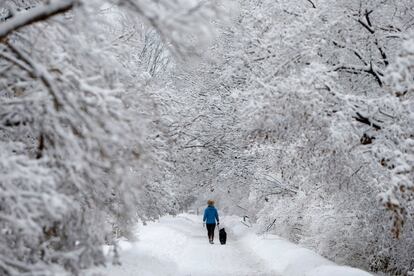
(365, 120)
(313, 4)
(388, 115)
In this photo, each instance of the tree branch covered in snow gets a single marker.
(76, 112)
(183, 25)
(36, 14)
(296, 114)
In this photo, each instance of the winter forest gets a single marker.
(298, 114)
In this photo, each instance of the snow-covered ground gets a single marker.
(179, 246)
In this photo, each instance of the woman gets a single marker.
(210, 218)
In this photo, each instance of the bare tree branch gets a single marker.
(366, 26)
(356, 53)
(313, 4)
(354, 69)
(366, 120)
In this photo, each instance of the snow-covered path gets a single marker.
(187, 242)
(179, 246)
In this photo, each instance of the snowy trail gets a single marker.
(179, 246)
(198, 257)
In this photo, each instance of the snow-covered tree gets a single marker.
(77, 119)
(295, 113)
(293, 123)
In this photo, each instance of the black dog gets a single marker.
(222, 236)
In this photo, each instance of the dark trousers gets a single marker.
(210, 230)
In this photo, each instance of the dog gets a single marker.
(222, 236)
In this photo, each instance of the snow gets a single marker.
(336, 270)
(35, 14)
(179, 246)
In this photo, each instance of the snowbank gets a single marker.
(284, 257)
(336, 271)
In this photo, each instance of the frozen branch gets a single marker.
(34, 15)
(153, 23)
(354, 69)
(368, 26)
(39, 72)
(366, 120)
(356, 52)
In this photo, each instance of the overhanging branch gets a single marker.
(39, 13)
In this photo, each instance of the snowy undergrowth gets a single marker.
(178, 246)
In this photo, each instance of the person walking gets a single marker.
(210, 218)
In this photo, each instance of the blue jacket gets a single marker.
(210, 215)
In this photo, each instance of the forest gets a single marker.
(298, 114)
